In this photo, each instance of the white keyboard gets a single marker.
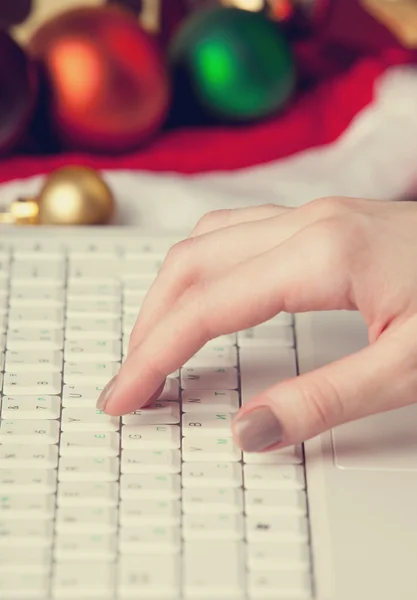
(159, 504)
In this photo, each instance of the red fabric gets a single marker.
(317, 116)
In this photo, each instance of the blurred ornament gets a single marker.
(70, 196)
(234, 64)
(18, 92)
(108, 85)
(12, 13)
(279, 10)
(158, 17)
(400, 17)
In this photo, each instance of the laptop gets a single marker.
(161, 504)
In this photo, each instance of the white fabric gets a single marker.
(375, 158)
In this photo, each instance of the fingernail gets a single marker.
(104, 397)
(258, 430)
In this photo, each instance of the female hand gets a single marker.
(240, 268)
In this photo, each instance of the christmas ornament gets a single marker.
(234, 64)
(109, 89)
(158, 17)
(399, 17)
(70, 196)
(18, 92)
(12, 13)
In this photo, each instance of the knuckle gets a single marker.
(211, 220)
(328, 207)
(338, 239)
(179, 253)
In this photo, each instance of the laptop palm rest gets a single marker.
(384, 442)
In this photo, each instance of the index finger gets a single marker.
(289, 277)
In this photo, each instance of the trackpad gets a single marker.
(385, 442)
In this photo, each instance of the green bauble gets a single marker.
(237, 65)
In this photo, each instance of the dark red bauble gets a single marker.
(18, 92)
(108, 85)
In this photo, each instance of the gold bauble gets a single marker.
(75, 196)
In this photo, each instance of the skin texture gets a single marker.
(240, 268)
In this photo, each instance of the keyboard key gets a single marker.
(40, 271)
(15, 456)
(93, 308)
(158, 413)
(98, 468)
(29, 432)
(75, 395)
(85, 520)
(20, 338)
(269, 556)
(280, 585)
(276, 529)
(214, 356)
(31, 407)
(21, 481)
(267, 334)
(211, 475)
(78, 328)
(31, 586)
(89, 444)
(271, 477)
(90, 373)
(99, 249)
(230, 339)
(225, 501)
(25, 560)
(88, 494)
(26, 534)
(227, 527)
(33, 248)
(85, 547)
(225, 578)
(39, 507)
(274, 503)
(207, 425)
(150, 487)
(210, 450)
(88, 419)
(90, 290)
(206, 378)
(144, 578)
(37, 297)
(101, 271)
(96, 350)
(142, 264)
(138, 513)
(23, 361)
(171, 390)
(32, 383)
(292, 455)
(36, 317)
(151, 461)
(150, 540)
(206, 401)
(78, 580)
(151, 437)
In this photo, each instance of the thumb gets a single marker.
(378, 378)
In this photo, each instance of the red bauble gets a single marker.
(108, 85)
(18, 92)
